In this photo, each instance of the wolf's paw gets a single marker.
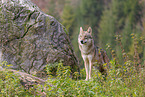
(86, 79)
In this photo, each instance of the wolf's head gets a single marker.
(85, 37)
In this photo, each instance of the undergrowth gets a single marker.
(123, 81)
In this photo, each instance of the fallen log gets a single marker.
(25, 76)
(27, 80)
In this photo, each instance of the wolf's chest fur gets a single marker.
(86, 49)
(89, 53)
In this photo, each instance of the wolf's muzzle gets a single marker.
(83, 42)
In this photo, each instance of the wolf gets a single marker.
(91, 54)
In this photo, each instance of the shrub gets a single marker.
(123, 81)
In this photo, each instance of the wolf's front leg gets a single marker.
(87, 73)
(90, 69)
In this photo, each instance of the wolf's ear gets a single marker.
(89, 30)
(81, 30)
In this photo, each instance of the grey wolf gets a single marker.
(91, 54)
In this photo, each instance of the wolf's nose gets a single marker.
(82, 42)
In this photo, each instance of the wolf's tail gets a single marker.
(105, 57)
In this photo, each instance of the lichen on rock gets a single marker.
(30, 39)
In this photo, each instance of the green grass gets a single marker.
(124, 81)
(120, 82)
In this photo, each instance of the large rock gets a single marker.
(30, 39)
